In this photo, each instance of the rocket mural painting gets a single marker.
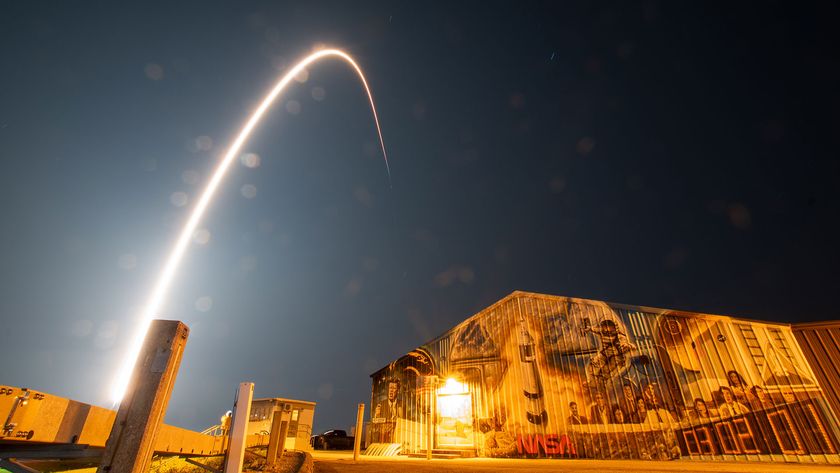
(537, 376)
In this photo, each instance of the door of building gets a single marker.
(455, 416)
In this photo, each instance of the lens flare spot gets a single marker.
(150, 165)
(419, 110)
(585, 145)
(189, 177)
(266, 226)
(318, 93)
(272, 35)
(204, 304)
(249, 191)
(278, 62)
(154, 71)
(204, 143)
(370, 365)
(370, 264)
(250, 160)
(302, 76)
(127, 261)
(202, 236)
(454, 274)
(739, 215)
(178, 199)
(293, 107)
(557, 184)
(247, 264)
(517, 100)
(364, 196)
(81, 328)
(325, 391)
(353, 286)
(106, 334)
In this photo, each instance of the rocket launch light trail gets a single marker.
(177, 254)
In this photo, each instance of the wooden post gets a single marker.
(131, 444)
(239, 428)
(360, 427)
(430, 426)
(430, 433)
(274, 440)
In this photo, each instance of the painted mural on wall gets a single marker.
(542, 376)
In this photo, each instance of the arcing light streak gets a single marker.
(177, 254)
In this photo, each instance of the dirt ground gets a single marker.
(342, 462)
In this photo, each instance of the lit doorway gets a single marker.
(455, 415)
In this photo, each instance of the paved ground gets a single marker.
(342, 462)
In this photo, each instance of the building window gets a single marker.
(782, 344)
(753, 345)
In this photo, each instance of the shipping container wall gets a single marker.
(537, 376)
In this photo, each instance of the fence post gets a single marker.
(131, 443)
(274, 438)
(284, 433)
(360, 427)
(239, 428)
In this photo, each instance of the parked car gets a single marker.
(332, 440)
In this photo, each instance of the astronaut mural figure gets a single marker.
(611, 358)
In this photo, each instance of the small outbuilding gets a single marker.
(298, 414)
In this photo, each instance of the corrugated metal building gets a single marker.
(536, 376)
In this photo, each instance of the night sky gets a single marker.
(668, 154)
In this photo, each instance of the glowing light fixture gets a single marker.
(452, 386)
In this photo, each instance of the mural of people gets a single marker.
(761, 400)
(618, 415)
(652, 396)
(637, 384)
(575, 418)
(641, 411)
(390, 409)
(700, 413)
(387, 411)
(658, 417)
(599, 413)
(739, 387)
(628, 400)
(730, 406)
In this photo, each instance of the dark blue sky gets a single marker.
(680, 155)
